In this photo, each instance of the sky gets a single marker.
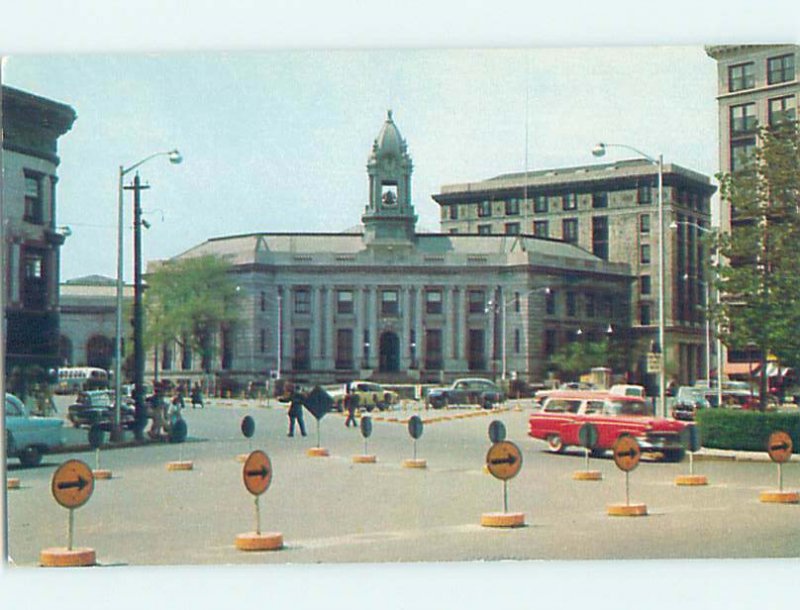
(275, 131)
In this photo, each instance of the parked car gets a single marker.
(577, 386)
(28, 437)
(688, 400)
(97, 407)
(563, 414)
(370, 396)
(627, 390)
(475, 391)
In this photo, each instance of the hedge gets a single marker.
(744, 430)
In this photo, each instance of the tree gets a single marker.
(189, 302)
(761, 285)
(578, 357)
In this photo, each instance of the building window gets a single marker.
(344, 348)
(644, 193)
(263, 303)
(782, 109)
(590, 305)
(516, 341)
(569, 230)
(344, 301)
(550, 302)
(186, 356)
(569, 201)
(742, 153)
(166, 358)
(302, 300)
(600, 200)
(453, 231)
(743, 119)
(742, 76)
(34, 290)
(484, 209)
(476, 350)
(433, 349)
(644, 254)
(550, 342)
(600, 237)
(302, 349)
(390, 303)
(572, 304)
(644, 314)
(512, 207)
(512, 228)
(433, 301)
(541, 228)
(262, 340)
(484, 229)
(608, 306)
(34, 208)
(645, 285)
(780, 69)
(453, 212)
(540, 204)
(644, 224)
(516, 302)
(477, 301)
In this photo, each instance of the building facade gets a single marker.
(391, 304)
(611, 210)
(31, 128)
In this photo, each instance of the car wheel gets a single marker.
(31, 456)
(487, 403)
(674, 455)
(555, 443)
(437, 402)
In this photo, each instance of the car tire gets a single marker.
(30, 456)
(674, 455)
(555, 444)
(438, 402)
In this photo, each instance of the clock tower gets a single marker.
(389, 217)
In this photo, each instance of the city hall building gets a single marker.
(391, 304)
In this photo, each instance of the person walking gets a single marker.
(296, 401)
(351, 404)
(197, 396)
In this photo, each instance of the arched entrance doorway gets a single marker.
(99, 352)
(389, 350)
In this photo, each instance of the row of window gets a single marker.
(779, 70)
(743, 120)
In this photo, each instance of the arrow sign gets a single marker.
(779, 446)
(79, 484)
(627, 453)
(72, 484)
(631, 453)
(510, 460)
(257, 472)
(504, 460)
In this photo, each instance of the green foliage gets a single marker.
(189, 301)
(744, 430)
(577, 357)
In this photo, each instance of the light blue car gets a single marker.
(28, 437)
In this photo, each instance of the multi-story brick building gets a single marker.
(610, 210)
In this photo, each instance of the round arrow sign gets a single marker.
(257, 472)
(248, 426)
(96, 436)
(627, 453)
(588, 435)
(415, 427)
(779, 446)
(690, 437)
(366, 426)
(72, 484)
(504, 460)
(497, 431)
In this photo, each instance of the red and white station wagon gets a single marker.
(563, 414)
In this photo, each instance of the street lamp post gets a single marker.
(504, 318)
(174, 157)
(598, 151)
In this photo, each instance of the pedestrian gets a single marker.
(296, 401)
(177, 399)
(197, 396)
(351, 404)
(157, 410)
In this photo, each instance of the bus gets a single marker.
(81, 378)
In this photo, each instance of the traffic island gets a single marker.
(587, 475)
(317, 452)
(62, 557)
(415, 463)
(364, 459)
(503, 519)
(779, 497)
(691, 480)
(180, 465)
(252, 541)
(627, 510)
(101, 473)
(12, 483)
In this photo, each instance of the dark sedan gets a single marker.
(97, 407)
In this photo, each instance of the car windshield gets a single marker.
(13, 405)
(625, 407)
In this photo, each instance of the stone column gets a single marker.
(418, 330)
(405, 326)
(372, 317)
(328, 307)
(358, 330)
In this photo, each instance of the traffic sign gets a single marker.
(653, 362)
(366, 426)
(779, 446)
(415, 427)
(504, 460)
(588, 435)
(248, 426)
(627, 453)
(497, 431)
(690, 438)
(72, 484)
(318, 402)
(96, 436)
(257, 472)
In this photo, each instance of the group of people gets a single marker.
(296, 400)
(162, 410)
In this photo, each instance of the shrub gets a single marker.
(744, 430)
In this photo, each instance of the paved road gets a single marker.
(330, 510)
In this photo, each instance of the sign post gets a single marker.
(248, 428)
(257, 476)
(626, 456)
(415, 429)
(96, 440)
(588, 437)
(178, 432)
(690, 438)
(366, 431)
(504, 461)
(72, 486)
(779, 447)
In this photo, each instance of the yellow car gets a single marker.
(370, 396)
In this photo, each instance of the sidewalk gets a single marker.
(707, 454)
